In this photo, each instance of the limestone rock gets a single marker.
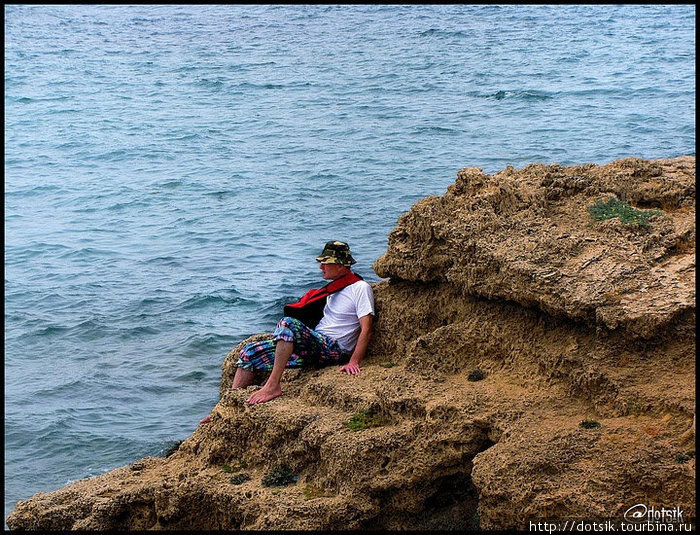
(526, 236)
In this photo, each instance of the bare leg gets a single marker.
(272, 388)
(243, 378)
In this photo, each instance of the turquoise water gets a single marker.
(172, 171)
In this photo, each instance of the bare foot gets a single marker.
(205, 420)
(266, 393)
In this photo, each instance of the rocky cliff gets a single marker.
(529, 362)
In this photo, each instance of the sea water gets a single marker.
(171, 172)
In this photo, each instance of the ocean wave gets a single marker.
(212, 300)
(194, 376)
(440, 130)
(59, 390)
(217, 83)
(22, 253)
(40, 189)
(159, 389)
(168, 261)
(88, 253)
(136, 203)
(251, 85)
(37, 100)
(183, 137)
(43, 332)
(436, 32)
(517, 94)
(207, 344)
(137, 332)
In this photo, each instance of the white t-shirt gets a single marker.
(342, 313)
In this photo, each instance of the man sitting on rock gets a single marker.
(340, 337)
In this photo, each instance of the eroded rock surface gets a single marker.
(526, 236)
(567, 321)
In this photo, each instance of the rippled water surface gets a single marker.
(172, 171)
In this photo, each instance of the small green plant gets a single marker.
(279, 477)
(363, 420)
(388, 364)
(476, 521)
(589, 424)
(476, 375)
(310, 492)
(628, 215)
(239, 478)
(683, 458)
(227, 468)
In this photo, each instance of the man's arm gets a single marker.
(353, 367)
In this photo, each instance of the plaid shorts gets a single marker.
(309, 347)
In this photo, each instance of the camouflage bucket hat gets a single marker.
(336, 252)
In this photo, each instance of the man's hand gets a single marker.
(351, 369)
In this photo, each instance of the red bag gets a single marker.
(309, 309)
